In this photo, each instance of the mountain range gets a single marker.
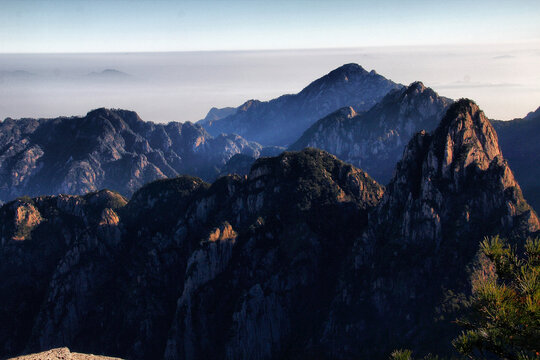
(115, 149)
(266, 254)
(374, 140)
(106, 149)
(281, 121)
(305, 256)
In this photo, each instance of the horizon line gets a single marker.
(240, 50)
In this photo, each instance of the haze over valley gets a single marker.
(162, 87)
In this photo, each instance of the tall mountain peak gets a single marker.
(451, 189)
(461, 157)
(346, 70)
(416, 86)
(98, 112)
(466, 136)
(350, 67)
(374, 140)
(281, 121)
(346, 73)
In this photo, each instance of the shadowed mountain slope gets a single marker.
(183, 258)
(282, 120)
(304, 257)
(520, 143)
(374, 140)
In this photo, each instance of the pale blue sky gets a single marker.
(38, 26)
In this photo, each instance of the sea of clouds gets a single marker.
(183, 86)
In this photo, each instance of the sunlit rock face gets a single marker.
(106, 149)
(282, 121)
(374, 140)
(450, 190)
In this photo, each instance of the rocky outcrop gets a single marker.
(451, 189)
(282, 120)
(520, 143)
(27, 217)
(106, 149)
(203, 266)
(62, 354)
(374, 140)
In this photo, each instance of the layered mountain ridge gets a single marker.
(306, 256)
(374, 140)
(106, 149)
(281, 121)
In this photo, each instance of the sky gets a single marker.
(180, 58)
(34, 26)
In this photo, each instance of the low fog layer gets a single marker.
(162, 87)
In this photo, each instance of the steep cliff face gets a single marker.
(451, 189)
(520, 143)
(106, 149)
(43, 242)
(282, 120)
(185, 262)
(284, 256)
(374, 140)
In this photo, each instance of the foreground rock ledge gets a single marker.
(62, 354)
